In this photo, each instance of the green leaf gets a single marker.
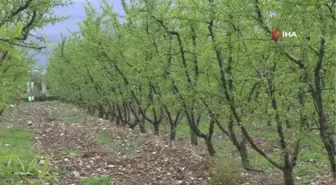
(7, 157)
(3, 31)
(17, 32)
(11, 51)
(28, 180)
(45, 166)
(32, 165)
(6, 170)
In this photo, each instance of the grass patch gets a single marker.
(106, 140)
(183, 129)
(18, 142)
(307, 171)
(268, 134)
(104, 180)
(76, 119)
(223, 145)
(313, 141)
(308, 155)
(259, 161)
(24, 163)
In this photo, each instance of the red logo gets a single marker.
(276, 34)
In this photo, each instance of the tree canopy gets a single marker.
(213, 61)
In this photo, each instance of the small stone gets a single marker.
(55, 173)
(76, 174)
(42, 162)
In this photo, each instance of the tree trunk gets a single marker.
(193, 138)
(118, 119)
(172, 133)
(89, 110)
(100, 111)
(210, 147)
(332, 140)
(119, 116)
(331, 155)
(243, 152)
(112, 116)
(288, 124)
(240, 146)
(288, 175)
(112, 113)
(208, 140)
(172, 123)
(156, 128)
(142, 123)
(142, 127)
(106, 115)
(94, 111)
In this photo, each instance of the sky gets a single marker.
(77, 14)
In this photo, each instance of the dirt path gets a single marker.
(130, 158)
(82, 146)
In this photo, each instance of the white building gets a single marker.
(37, 89)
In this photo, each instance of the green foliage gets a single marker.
(207, 57)
(18, 161)
(16, 142)
(16, 170)
(18, 20)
